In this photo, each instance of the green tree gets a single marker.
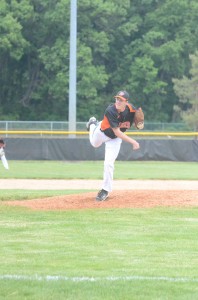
(45, 66)
(12, 47)
(137, 45)
(147, 87)
(97, 24)
(187, 91)
(164, 35)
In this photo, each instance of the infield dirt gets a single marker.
(126, 194)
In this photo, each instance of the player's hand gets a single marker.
(136, 145)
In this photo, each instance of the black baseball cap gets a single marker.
(123, 95)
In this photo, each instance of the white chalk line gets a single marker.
(95, 279)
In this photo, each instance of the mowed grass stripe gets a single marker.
(94, 279)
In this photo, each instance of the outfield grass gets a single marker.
(94, 170)
(99, 254)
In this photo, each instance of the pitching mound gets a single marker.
(117, 199)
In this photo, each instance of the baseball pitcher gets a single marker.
(118, 117)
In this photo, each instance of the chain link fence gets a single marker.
(60, 129)
(81, 126)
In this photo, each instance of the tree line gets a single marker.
(137, 45)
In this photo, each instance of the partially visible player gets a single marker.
(118, 117)
(2, 154)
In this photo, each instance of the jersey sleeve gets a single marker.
(112, 117)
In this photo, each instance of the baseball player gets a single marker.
(2, 154)
(118, 117)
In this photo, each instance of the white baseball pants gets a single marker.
(112, 148)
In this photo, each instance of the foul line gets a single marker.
(94, 279)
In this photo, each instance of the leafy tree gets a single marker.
(12, 47)
(137, 45)
(97, 23)
(163, 34)
(147, 87)
(187, 91)
(46, 65)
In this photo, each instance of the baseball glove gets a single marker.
(138, 120)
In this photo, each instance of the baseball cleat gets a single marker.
(102, 195)
(91, 121)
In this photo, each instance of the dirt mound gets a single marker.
(117, 199)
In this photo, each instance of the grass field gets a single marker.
(94, 170)
(98, 254)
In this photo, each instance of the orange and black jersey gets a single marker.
(113, 119)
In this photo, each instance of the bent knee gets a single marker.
(96, 144)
